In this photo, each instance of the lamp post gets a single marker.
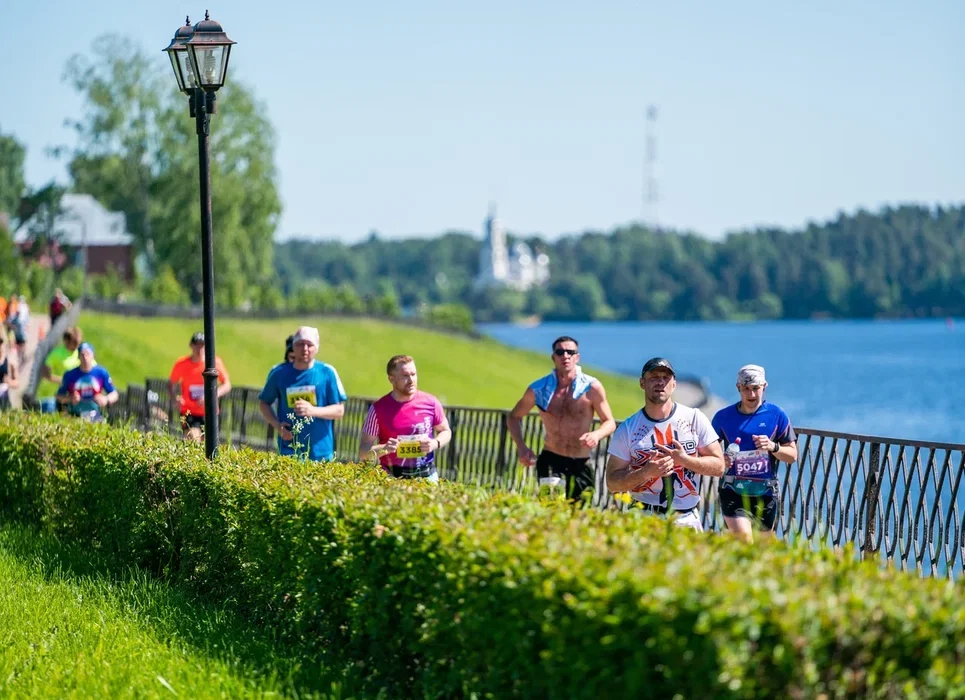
(199, 57)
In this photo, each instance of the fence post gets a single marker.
(243, 428)
(872, 489)
(453, 451)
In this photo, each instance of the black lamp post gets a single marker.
(199, 57)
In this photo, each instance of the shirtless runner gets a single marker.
(567, 399)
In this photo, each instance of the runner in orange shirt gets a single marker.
(187, 373)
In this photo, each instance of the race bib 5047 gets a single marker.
(751, 463)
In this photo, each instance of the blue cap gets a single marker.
(85, 346)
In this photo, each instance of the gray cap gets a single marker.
(657, 363)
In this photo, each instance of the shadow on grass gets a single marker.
(172, 613)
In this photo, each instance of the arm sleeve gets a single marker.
(109, 387)
(269, 393)
(620, 443)
(785, 431)
(333, 391)
(371, 424)
(705, 432)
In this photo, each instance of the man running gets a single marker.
(88, 388)
(59, 304)
(663, 449)
(756, 435)
(567, 399)
(409, 426)
(308, 397)
(186, 385)
(62, 358)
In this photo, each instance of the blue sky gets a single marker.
(409, 118)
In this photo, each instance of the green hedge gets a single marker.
(447, 590)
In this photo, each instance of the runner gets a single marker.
(308, 396)
(62, 358)
(8, 375)
(757, 435)
(59, 304)
(409, 425)
(663, 449)
(567, 399)
(88, 388)
(187, 374)
(20, 323)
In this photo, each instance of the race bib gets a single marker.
(196, 392)
(306, 393)
(752, 463)
(410, 446)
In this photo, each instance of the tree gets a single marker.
(12, 185)
(137, 153)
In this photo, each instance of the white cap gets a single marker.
(306, 333)
(751, 375)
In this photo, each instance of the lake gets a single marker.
(899, 379)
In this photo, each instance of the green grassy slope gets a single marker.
(460, 371)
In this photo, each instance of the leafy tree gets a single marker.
(137, 153)
(12, 185)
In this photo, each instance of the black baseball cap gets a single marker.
(657, 363)
(197, 338)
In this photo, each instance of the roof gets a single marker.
(82, 217)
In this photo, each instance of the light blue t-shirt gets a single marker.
(320, 386)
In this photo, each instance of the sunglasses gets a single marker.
(559, 352)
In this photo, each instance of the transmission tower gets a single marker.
(650, 192)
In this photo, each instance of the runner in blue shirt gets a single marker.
(756, 435)
(305, 395)
(88, 388)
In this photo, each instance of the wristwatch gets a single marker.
(777, 446)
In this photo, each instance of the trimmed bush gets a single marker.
(449, 590)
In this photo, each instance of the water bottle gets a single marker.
(732, 450)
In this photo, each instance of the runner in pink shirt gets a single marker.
(406, 427)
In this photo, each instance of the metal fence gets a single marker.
(897, 500)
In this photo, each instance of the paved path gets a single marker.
(39, 323)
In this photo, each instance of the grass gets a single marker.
(460, 371)
(70, 628)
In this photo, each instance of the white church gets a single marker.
(500, 266)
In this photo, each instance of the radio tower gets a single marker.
(650, 193)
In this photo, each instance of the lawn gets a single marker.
(73, 627)
(459, 370)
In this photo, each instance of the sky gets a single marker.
(410, 118)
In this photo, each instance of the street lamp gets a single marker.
(199, 57)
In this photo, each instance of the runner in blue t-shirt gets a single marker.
(88, 388)
(756, 436)
(305, 395)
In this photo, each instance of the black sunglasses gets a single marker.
(559, 352)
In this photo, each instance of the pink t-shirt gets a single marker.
(389, 418)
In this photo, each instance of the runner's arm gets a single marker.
(269, 413)
(12, 375)
(620, 476)
(331, 412)
(443, 434)
(786, 452)
(709, 460)
(225, 386)
(603, 410)
(514, 421)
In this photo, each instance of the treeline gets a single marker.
(899, 262)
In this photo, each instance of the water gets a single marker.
(898, 379)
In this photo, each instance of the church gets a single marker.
(501, 266)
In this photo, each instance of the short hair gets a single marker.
(396, 362)
(74, 335)
(564, 339)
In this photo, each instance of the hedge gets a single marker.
(452, 591)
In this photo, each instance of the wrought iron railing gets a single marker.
(900, 501)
